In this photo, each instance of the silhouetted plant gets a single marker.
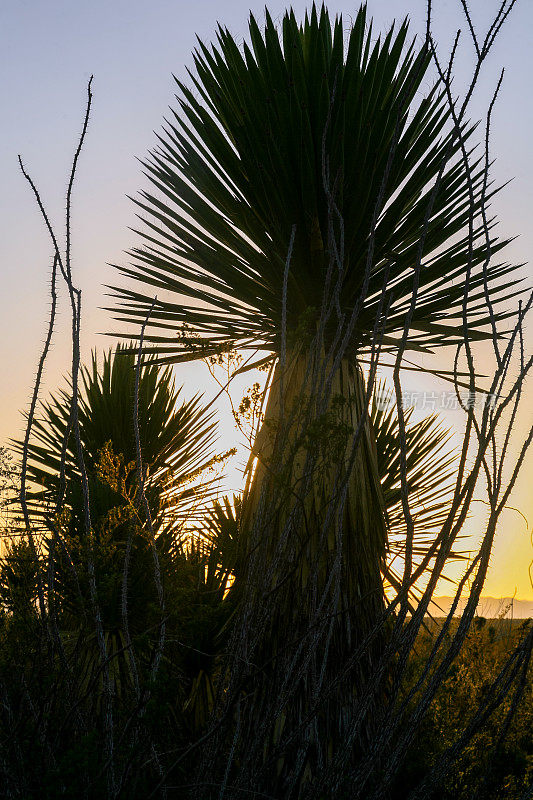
(330, 217)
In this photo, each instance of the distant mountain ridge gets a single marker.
(489, 607)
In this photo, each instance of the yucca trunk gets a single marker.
(315, 529)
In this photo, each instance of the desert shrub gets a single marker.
(486, 769)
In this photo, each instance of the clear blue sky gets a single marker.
(48, 50)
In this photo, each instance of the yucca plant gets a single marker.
(293, 208)
(177, 451)
(176, 440)
(430, 464)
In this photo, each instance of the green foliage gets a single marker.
(6, 471)
(201, 578)
(18, 577)
(64, 678)
(8, 487)
(501, 772)
(113, 566)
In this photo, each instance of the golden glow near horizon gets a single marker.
(133, 57)
(509, 571)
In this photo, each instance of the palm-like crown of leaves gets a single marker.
(177, 435)
(273, 136)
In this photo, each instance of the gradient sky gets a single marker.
(48, 50)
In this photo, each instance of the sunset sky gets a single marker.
(48, 52)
